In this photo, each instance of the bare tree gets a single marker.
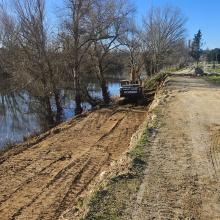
(135, 49)
(8, 41)
(76, 40)
(109, 19)
(92, 32)
(35, 54)
(164, 28)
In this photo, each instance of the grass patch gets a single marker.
(138, 151)
(111, 203)
(157, 121)
(154, 81)
(213, 79)
(114, 201)
(175, 68)
(214, 70)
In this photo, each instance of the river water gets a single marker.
(18, 118)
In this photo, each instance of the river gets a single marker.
(18, 119)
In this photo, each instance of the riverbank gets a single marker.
(117, 197)
(21, 114)
(52, 176)
(178, 159)
(47, 175)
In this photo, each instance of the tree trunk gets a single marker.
(133, 73)
(49, 112)
(78, 109)
(58, 106)
(105, 92)
(103, 84)
(78, 99)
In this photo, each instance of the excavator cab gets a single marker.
(130, 89)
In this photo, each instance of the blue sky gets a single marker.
(200, 14)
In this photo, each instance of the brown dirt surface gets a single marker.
(181, 180)
(44, 178)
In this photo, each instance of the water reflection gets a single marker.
(20, 113)
(16, 119)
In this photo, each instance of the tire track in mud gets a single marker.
(49, 177)
(78, 185)
(29, 179)
(89, 170)
(22, 164)
(52, 190)
(20, 148)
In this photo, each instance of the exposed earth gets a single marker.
(44, 179)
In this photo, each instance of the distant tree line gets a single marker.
(94, 39)
(196, 51)
(213, 55)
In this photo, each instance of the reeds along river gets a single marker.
(20, 114)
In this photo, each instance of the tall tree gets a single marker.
(195, 47)
(109, 19)
(76, 39)
(35, 53)
(8, 41)
(164, 28)
(213, 55)
(133, 42)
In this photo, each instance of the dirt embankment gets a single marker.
(45, 178)
(48, 177)
(180, 155)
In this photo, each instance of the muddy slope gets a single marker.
(44, 179)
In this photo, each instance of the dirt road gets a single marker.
(182, 179)
(44, 179)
